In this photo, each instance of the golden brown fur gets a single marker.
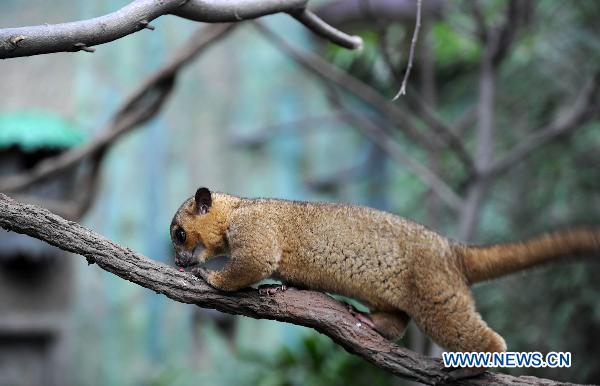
(399, 268)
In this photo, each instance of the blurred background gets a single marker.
(299, 118)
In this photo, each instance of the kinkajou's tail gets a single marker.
(490, 262)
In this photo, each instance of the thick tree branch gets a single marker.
(306, 308)
(139, 107)
(82, 35)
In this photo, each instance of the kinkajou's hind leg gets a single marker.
(455, 324)
(391, 325)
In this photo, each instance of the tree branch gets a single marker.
(324, 70)
(479, 18)
(421, 108)
(363, 91)
(386, 143)
(584, 108)
(503, 36)
(139, 107)
(321, 68)
(136, 16)
(498, 40)
(417, 168)
(306, 308)
(429, 116)
(319, 27)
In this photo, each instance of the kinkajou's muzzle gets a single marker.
(184, 259)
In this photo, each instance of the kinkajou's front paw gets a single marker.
(201, 272)
(271, 289)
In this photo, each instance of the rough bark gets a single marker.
(306, 308)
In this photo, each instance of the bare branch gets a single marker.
(395, 152)
(416, 102)
(480, 24)
(517, 14)
(436, 124)
(498, 40)
(411, 53)
(484, 154)
(422, 108)
(567, 122)
(139, 107)
(306, 308)
(319, 27)
(136, 16)
(361, 90)
(464, 122)
(316, 65)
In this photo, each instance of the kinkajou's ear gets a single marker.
(203, 200)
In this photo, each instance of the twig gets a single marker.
(417, 103)
(319, 27)
(139, 107)
(464, 122)
(306, 308)
(136, 16)
(411, 53)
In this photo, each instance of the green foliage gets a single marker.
(452, 47)
(316, 361)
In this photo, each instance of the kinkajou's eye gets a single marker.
(180, 236)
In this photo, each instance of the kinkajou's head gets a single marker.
(198, 228)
